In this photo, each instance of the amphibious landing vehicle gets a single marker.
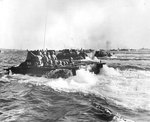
(56, 71)
(47, 63)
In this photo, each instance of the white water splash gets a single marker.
(83, 81)
(109, 71)
(119, 118)
(90, 58)
(128, 88)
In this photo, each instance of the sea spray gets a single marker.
(94, 59)
(81, 82)
(109, 71)
(127, 94)
(128, 88)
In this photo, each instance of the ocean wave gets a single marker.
(126, 66)
(120, 86)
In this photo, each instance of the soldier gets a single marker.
(45, 59)
(54, 58)
(37, 59)
(49, 58)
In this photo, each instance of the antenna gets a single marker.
(45, 27)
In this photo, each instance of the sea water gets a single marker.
(123, 86)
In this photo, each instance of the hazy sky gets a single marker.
(74, 23)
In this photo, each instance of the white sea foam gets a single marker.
(83, 81)
(109, 71)
(119, 118)
(90, 58)
(128, 88)
(113, 57)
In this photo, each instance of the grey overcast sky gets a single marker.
(74, 24)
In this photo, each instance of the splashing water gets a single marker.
(83, 81)
(125, 90)
(130, 89)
